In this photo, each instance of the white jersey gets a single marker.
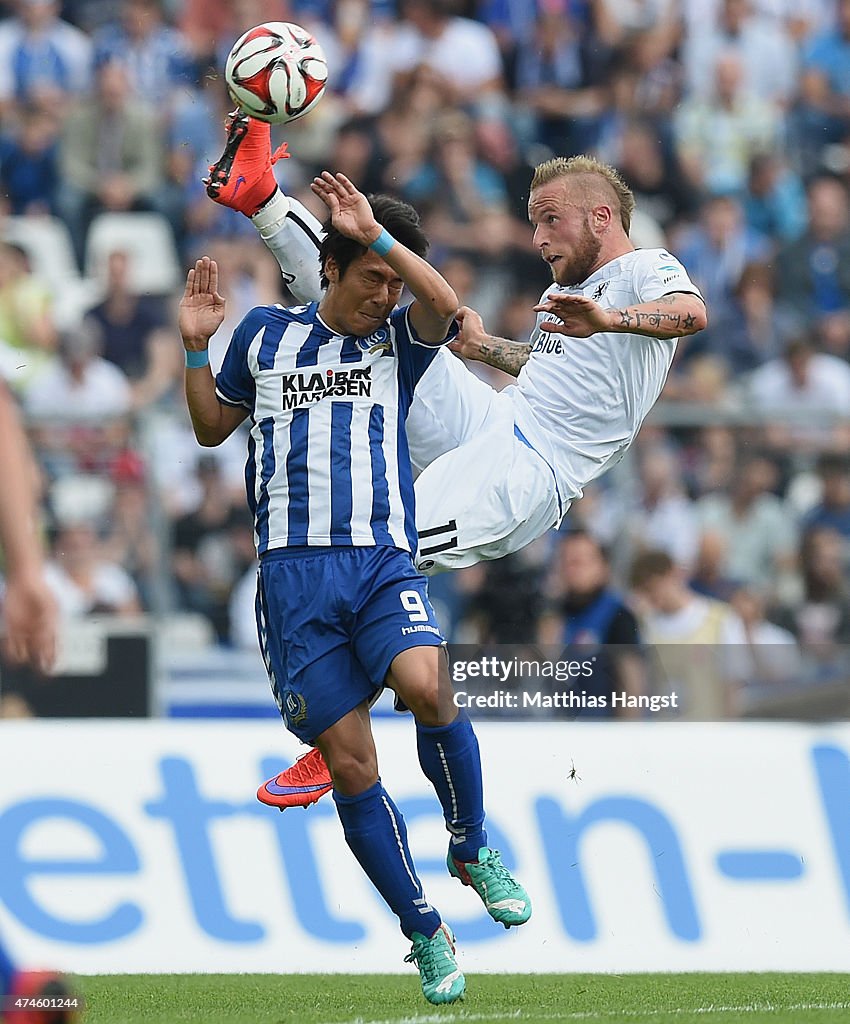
(485, 489)
(581, 401)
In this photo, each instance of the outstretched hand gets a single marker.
(579, 316)
(201, 310)
(351, 213)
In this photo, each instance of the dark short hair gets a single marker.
(833, 464)
(579, 533)
(399, 218)
(649, 565)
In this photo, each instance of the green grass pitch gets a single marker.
(524, 998)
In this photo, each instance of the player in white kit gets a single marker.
(498, 469)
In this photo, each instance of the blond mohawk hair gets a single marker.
(591, 170)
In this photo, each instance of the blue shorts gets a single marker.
(330, 622)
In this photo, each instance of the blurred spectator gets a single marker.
(806, 395)
(588, 612)
(764, 47)
(431, 34)
(499, 147)
(504, 599)
(653, 175)
(83, 580)
(833, 509)
(80, 385)
(27, 331)
(706, 680)
(755, 328)
(560, 80)
(111, 155)
(361, 75)
(43, 59)
(821, 619)
(825, 85)
(154, 56)
(463, 199)
(621, 20)
(210, 29)
(709, 576)
(241, 609)
(126, 320)
(774, 651)
(29, 163)
(775, 201)
(205, 563)
(711, 461)
(514, 22)
(757, 531)
(814, 271)
(800, 18)
(717, 249)
(717, 137)
(662, 517)
(129, 539)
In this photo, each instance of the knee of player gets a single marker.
(430, 702)
(353, 771)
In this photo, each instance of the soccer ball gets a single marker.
(276, 72)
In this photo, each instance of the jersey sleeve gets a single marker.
(234, 384)
(295, 236)
(414, 355)
(658, 273)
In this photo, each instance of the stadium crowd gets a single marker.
(729, 119)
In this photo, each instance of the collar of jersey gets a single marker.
(335, 334)
(609, 270)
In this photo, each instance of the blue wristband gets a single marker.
(383, 243)
(194, 360)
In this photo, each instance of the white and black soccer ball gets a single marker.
(276, 72)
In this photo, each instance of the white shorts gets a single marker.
(485, 499)
(450, 407)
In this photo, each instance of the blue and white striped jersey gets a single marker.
(328, 462)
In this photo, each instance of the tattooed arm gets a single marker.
(473, 342)
(670, 316)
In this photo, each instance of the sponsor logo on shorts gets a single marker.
(305, 388)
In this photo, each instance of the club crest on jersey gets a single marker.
(599, 291)
(308, 387)
(377, 342)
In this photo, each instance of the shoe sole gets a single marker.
(223, 167)
(283, 801)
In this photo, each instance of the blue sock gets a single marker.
(377, 836)
(7, 972)
(450, 759)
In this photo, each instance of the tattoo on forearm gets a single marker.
(667, 324)
(509, 356)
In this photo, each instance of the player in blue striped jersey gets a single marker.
(341, 609)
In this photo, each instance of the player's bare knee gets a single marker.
(353, 772)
